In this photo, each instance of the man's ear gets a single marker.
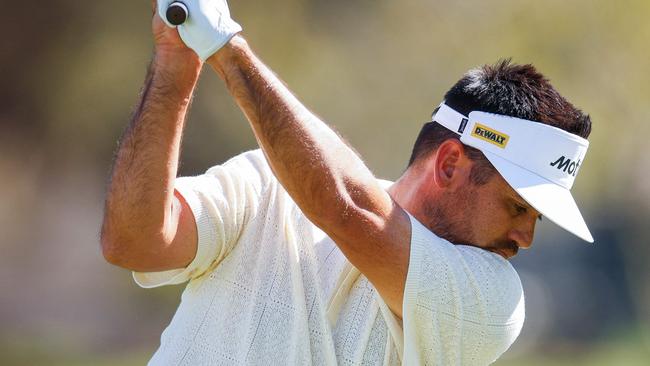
(451, 165)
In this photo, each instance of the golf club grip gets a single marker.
(177, 13)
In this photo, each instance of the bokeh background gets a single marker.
(71, 74)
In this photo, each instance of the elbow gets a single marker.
(135, 252)
(120, 247)
(112, 249)
(112, 239)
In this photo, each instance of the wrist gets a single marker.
(177, 58)
(181, 68)
(228, 54)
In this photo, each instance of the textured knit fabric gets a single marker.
(462, 305)
(267, 287)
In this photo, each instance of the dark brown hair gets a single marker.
(508, 89)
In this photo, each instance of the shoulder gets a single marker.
(253, 160)
(473, 274)
(241, 182)
(497, 286)
(464, 290)
(250, 167)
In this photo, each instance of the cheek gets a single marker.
(492, 220)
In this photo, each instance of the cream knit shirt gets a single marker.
(267, 287)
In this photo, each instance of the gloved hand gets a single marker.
(208, 26)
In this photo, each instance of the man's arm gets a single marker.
(327, 180)
(147, 225)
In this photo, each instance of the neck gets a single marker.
(409, 191)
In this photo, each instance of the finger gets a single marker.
(161, 7)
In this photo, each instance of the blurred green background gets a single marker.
(374, 69)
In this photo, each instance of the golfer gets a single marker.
(297, 254)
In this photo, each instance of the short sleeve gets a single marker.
(462, 305)
(223, 201)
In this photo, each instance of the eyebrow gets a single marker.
(520, 201)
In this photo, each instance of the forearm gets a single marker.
(321, 173)
(140, 195)
(325, 177)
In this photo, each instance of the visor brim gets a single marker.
(551, 200)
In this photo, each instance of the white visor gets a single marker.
(540, 162)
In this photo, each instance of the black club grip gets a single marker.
(177, 13)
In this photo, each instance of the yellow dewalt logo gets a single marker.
(487, 134)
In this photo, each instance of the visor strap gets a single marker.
(450, 118)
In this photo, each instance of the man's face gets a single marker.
(491, 216)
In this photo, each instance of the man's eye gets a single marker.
(520, 209)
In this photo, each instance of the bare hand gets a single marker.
(167, 41)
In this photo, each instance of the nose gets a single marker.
(523, 233)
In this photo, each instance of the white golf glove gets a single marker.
(208, 26)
